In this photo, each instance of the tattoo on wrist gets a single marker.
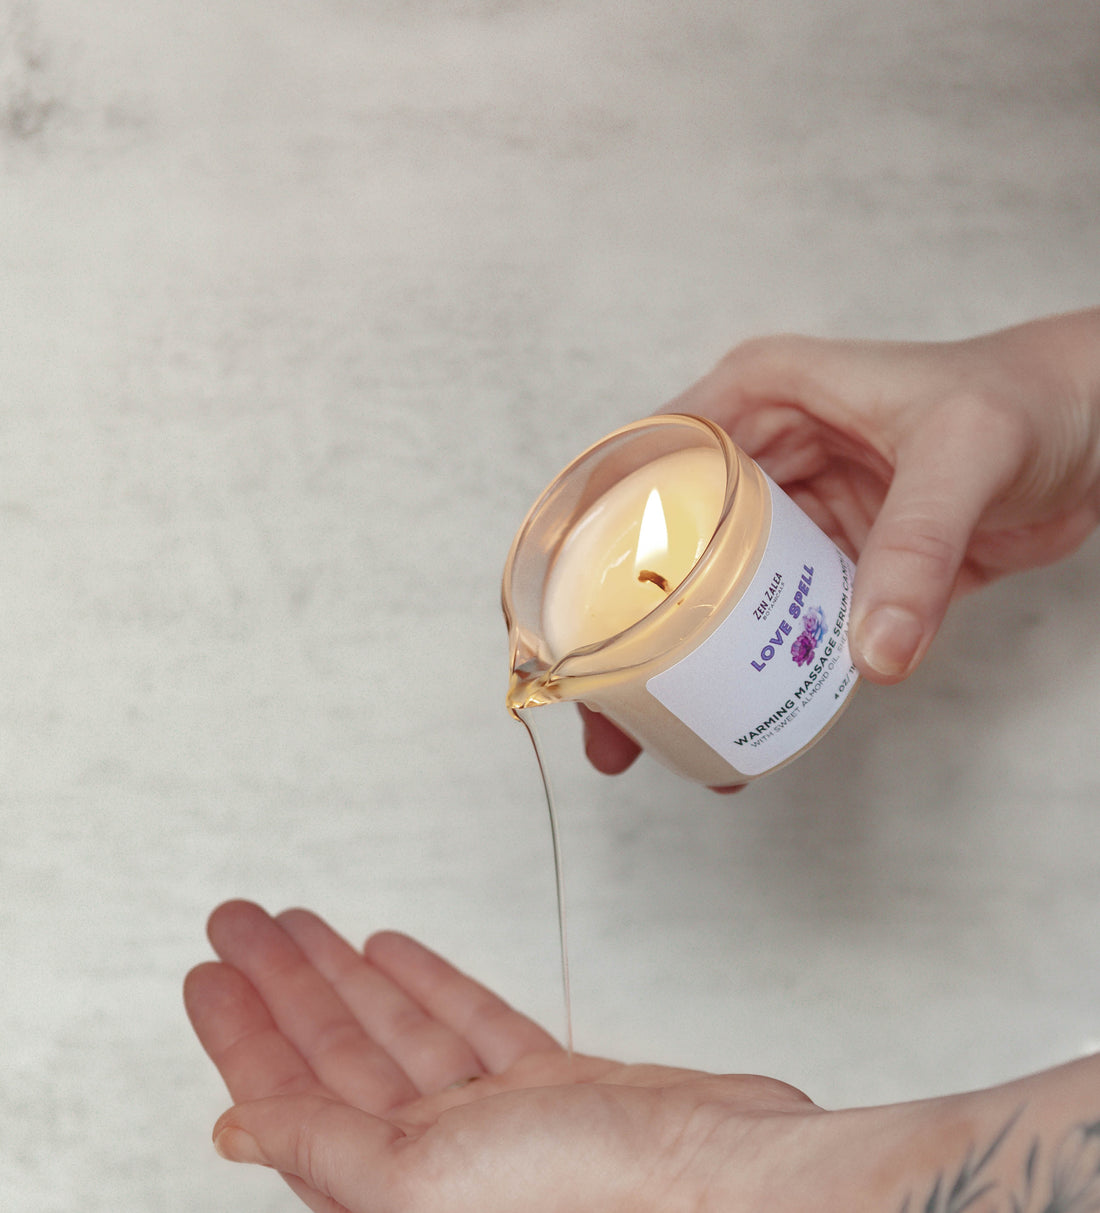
(1065, 1180)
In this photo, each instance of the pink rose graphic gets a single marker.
(813, 632)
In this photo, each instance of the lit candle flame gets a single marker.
(652, 541)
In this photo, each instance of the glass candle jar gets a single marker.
(666, 582)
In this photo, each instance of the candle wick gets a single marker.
(656, 578)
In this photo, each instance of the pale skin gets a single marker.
(383, 1080)
(939, 467)
(942, 468)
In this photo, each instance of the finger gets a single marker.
(336, 1151)
(236, 1029)
(780, 372)
(313, 1200)
(609, 750)
(306, 1009)
(253, 1057)
(497, 1033)
(432, 1054)
(844, 502)
(947, 475)
(995, 553)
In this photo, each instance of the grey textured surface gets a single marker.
(301, 306)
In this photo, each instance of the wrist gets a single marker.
(1056, 363)
(1071, 344)
(1029, 1144)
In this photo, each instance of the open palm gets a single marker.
(387, 1080)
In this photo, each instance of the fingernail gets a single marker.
(889, 639)
(238, 1146)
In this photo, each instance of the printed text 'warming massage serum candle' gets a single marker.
(666, 582)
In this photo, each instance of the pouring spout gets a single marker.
(529, 686)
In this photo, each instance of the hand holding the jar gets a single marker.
(940, 467)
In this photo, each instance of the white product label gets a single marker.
(777, 668)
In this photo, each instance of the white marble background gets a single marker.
(300, 305)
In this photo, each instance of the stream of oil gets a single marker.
(523, 716)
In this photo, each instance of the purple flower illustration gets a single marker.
(813, 632)
(802, 650)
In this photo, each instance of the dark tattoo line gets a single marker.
(1072, 1173)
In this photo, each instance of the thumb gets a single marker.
(948, 472)
(335, 1150)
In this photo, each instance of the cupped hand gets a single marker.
(939, 467)
(386, 1080)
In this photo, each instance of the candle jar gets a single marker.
(665, 581)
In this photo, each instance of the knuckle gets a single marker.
(311, 1158)
(339, 1038)
(762, 351)
(923, 542)
(980, 420)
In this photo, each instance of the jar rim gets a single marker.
(591, 659)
